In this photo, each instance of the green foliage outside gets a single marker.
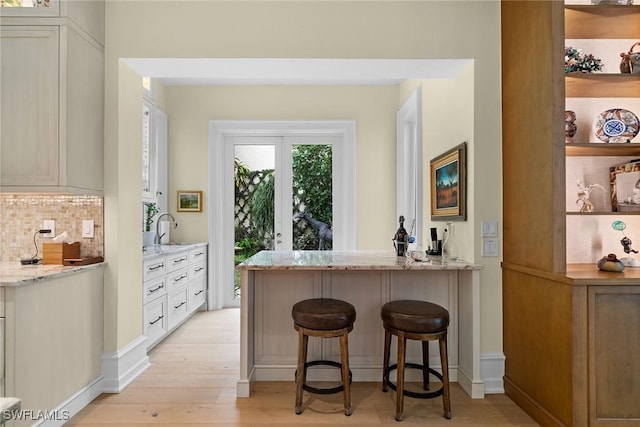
(312, 192)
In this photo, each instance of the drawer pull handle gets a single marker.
(157, 288)
(199, 269)
(156, 321)
(177, 279)
(155, 267)
(198, 293)
(180, 305)
(199, 254)
(176, 261)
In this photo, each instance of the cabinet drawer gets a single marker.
(177, 279)
(198, 270)
(197, 293)
(154, 288)
(177, 261)
(178, 306)
(198, 254)
(153, 268)
(155, 320)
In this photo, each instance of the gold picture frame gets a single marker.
(189, 201)
(449, 185)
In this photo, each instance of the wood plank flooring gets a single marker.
(192, 381)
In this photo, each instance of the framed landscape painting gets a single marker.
(189, 201)
(448, 185)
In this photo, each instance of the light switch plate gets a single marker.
(489, 228)
(87, 228)
(490, 247)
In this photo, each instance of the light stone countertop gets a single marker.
(347, 260)
(153, 251)
(8, 405)
(16, 274)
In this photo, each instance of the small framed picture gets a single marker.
(448, 185)
(189, 201)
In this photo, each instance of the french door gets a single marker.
(271, 146)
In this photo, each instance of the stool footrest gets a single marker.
(331, 390)
(426, 395)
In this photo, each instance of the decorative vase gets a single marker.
(610, 263)
(569, 126)
(148, 238)
(449, 248)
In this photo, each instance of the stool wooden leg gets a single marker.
(446, 397)
(344, 354)
(301, 375)
(385, 362)
(425, 365)
(402, 342)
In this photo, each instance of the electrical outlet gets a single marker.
(49, 224)
(87, 228)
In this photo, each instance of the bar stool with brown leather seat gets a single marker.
(324, 318)
(422, 321)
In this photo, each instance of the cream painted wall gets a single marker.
(122, 213)
(433, 29)
(373, 108)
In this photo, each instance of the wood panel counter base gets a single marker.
(272, 282)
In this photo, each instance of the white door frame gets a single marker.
(221, 234)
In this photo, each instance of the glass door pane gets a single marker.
(312, 191)
(254, 210)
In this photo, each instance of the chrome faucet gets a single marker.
(158, 237)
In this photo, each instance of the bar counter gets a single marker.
(272, 281)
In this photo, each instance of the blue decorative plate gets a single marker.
(616, 126)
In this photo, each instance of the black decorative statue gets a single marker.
(401, 239)
(324, 232)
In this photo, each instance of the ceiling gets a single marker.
(293, 71)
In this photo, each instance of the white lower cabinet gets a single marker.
(178, 307)
(155, 320)
(174, 288)
(197, 292)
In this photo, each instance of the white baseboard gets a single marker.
(492, 371)
(119, 369)
(73, 405)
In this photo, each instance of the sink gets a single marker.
(176, 243)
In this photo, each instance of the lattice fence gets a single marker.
(305, 236)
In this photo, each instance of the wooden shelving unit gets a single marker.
(581, 349)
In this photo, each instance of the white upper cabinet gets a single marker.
(52, 79)
(52, 133)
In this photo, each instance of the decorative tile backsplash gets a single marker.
(21, 215)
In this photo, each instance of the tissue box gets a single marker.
(55, 253)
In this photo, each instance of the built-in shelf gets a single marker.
(602, 22)
(603, 149)
(598, 85)
(600, 213)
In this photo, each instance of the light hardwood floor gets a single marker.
(192, 381)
